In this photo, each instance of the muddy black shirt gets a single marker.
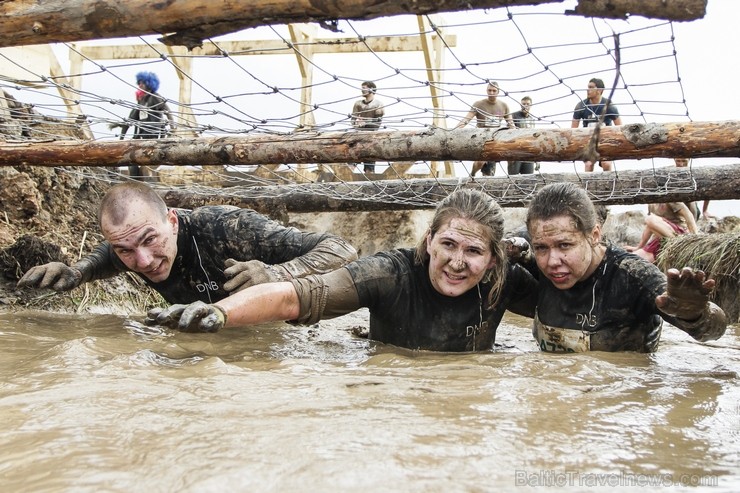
(406, 310)
(206, 238)
(614, 307)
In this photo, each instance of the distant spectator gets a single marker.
(150, 116)
(663, 221)
(367, 114)
(590, 111)
(489, 113)
(522, 119)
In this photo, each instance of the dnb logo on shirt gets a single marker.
(206, 286)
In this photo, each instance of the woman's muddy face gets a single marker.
(459, 255)
(563, 253)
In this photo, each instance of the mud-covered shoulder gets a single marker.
(637, 269)
(382, 266)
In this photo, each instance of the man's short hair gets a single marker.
(493, 83)
(598, 83)
(370, 85)
(115, 203)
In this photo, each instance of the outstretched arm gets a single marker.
(262, 303)
(688, 217)
(644, 237)
(170, 117)
(305, 301)
(686, 304)
(60, 277)
(331, 253)
(268, 302)
(466, 119)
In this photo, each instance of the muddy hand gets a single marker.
(167, 317)
(241, 275)
(686, 295)
(55, 275)
(201, 317)
(517, 248)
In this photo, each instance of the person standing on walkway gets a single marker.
(367, 115)
(489, 113)
(590, 110)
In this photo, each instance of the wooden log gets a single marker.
(683, 10)
(633, 141)
(667, 184)
(189, 22)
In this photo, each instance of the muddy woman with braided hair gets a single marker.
(447, 294)
(594, 296)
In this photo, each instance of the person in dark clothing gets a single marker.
(447, 294)
(523, 119)
(186, 256)
(590, 110)
(594, 296)
(151, 115)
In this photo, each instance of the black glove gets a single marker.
(55, 275)
(241, 275)
(195, 317)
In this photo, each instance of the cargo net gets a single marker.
(284, 80)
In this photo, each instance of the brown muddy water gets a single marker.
(100, 403)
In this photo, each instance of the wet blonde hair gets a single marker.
(476, 206)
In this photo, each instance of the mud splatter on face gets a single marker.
(459, 256)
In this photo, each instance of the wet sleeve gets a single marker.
(132, 116)
(325, 296)
(611, 110)
(710, 326)
(330, 253)
(98, 265)
(578, 111)
(249, 235)
(524, 291)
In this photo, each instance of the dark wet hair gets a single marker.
(474, 205)
(564, 199)
(150, 79)
(598, 83)
(602, 212)
(117, 200)
(370, 85)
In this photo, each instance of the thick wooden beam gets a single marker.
(624, 8)
(633, 141)
(189, 22)
(668, 184)
(263, 47)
